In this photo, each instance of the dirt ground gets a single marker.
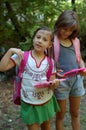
(10, 117)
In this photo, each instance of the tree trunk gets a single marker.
(73, 4)
(13, 18)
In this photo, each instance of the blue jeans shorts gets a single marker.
(72, 86)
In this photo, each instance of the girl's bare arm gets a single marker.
(82, 64)
(6, 63)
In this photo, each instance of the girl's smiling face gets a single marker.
(42, 40)
(65, 32)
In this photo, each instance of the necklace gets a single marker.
(65, 42)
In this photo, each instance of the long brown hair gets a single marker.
(67, 19)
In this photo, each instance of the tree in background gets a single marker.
(20, 18)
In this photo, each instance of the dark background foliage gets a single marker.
(18, 20)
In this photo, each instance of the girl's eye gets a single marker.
(38, 37)
(65, 29)
(45, 39)
(68, 30)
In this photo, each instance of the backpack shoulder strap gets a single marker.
(76, 44)
(56, 48)
(50, 67)
(23, 63)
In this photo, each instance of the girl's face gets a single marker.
(65, 32)
(42, 40)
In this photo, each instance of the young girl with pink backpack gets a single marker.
(37, 105)
(68, 57)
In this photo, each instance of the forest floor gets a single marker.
(10, 116)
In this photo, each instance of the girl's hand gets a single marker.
(19, 52)
(6, 63)
(83, 73)
(55, 84)
(59, 75)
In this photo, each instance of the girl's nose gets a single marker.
(40, 40)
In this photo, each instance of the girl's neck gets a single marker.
(38, 57)
(65, 42)
(37, 54)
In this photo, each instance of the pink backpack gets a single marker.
(18, 77)
(76, 44)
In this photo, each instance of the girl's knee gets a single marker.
(46, 125)
(74, 113)
(60, 115)
(33, 127)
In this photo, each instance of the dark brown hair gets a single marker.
(44, 28)
(67, 19)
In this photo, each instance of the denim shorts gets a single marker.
(72, 86)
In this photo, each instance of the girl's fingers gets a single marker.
(19, 53)
(54, 84)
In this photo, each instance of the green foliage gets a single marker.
(81, 9)
(19, 19)
(25, 45)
